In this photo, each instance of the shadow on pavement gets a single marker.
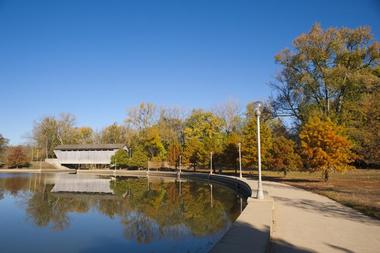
(245, 238)
(340, 248)
(281, 246)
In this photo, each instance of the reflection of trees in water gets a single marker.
(147, 211)
(192, 208)
(139, 227)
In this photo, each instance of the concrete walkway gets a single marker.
(308, 222)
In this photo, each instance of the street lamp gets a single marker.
(258, 109)
(211, 163)
(241, 176)
(180, 167)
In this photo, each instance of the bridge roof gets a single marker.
(90, 147)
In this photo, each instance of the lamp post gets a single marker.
(241, 175)
(211, 163)
(180, 165)
(258, 108)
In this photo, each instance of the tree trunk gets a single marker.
(326, 175)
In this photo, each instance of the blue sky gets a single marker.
(96, 59)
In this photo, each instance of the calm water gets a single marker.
(73, 213)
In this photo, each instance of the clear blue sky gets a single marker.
(95, 59)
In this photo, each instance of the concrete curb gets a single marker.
(34, 170)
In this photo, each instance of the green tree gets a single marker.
(324, 146)
(249, 142)
(139, 158)
(3, 145)
(121, 158)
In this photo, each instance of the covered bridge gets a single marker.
(87, 154)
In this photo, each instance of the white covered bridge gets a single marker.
(88, 154)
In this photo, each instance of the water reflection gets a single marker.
(175, 215)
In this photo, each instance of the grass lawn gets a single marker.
(35, 166)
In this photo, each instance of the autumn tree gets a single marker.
(326, 71)
(17, 158)
(249, 142)
(364, 128)
(324, 147)
(151, 140)
(84, 135)
(335, 73)
(283, 155)
(203, 135)
(113, 134)
(229, 155)
(170, 125)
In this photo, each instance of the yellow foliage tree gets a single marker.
(324, 147)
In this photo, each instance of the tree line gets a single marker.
(328, 89)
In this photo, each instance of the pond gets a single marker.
(61, 212)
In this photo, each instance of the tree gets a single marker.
(139, 159)
(142, 117)
(364, 128)
(229, 112)
(283, 155)
(326, 72)
(229, 156)
(113, 134)
(121, 158)
(203, 135)
(170, 127)
(84, 135)
(324, 146)
(45, 135)
(151, 140)
(17, 157)
(3, 145)
(249, 142)
(174, 151)
(51, 132)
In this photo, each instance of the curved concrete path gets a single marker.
(308, 222)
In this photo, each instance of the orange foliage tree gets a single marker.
(324, 147)
(17, 157)
(284, 156)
